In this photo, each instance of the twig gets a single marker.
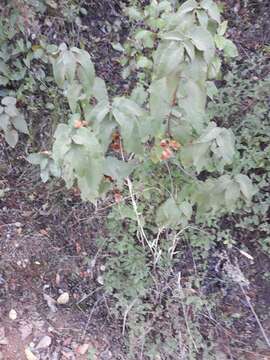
(255, 315)
(126, 314)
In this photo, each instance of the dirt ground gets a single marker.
(47, 235)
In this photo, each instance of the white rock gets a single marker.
(29, 355)
(12, 314)
(44, 342)
(63, 299)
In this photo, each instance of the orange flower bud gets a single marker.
(78, 124)
(174, 144)
(166, 154)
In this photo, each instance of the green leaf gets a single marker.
(203, 41)
(146, 37)
(54, 169)
(168, 58)
(134, 13)
(202, 17)
(187, 6)
(168, 214)
(11, 110)
(246, 186)
(73, 92)
(99, 90)
(85, 137)
(230, 49)
(144, 62)
(9, 100)
(11, 137)
(98, 113)
(212, 9)
(222, 28)
(118, 47)
(86, 71)
(192, 99)
(35, 158)
(225, 142)
(232, 194)
(160, 99)
(211, 89)
(117, 169)
(4, 122)
(20, 124)
(214, 68)
(189, 47)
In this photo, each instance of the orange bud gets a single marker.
(78, 124)
(84, 123)
(117, 197)
(166, 154)
(174, 144)
(163, 143)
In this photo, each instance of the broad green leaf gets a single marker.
(45, 174)
(222, 28)
(174, 35)
(35, 158)
(189, 47)
(210, 133)
(232, 194)
(139, 95)
(203, 41)
(98, 113)
(118, 47)
(169, 214)
(11, 110)
(62, 142)
(4, 122)
(202, 17)
(246, 186)
(196, 155)
(127, 106)
(192, 99)
(73, 93)
(4, 69)
(20, 124)
(214, 68)
(99, 90)
(85, 137)
(134, 13)
(211, 89)
(212, 9)
(225, 142)
(186, 209)
(11, 137)
(146, 37)
(187, 6)
(86, 72)
(230, 49)
(168, 58)
(117, 169)
(144, 62)
(9, 101)
(160, 99)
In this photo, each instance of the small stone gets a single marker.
(12, 314)
(63, 299)
(29, 355)
(44, 342)
(100, 280)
